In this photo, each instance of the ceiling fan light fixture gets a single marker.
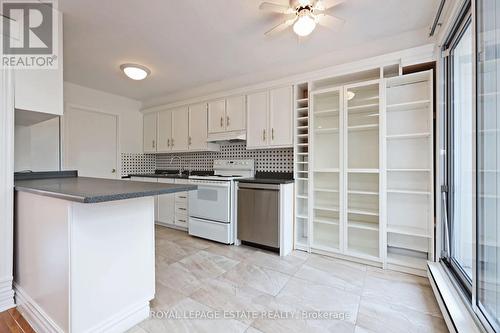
(135, 72)
(304, 25)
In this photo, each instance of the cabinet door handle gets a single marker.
(182, 209)
(172, 141)
(227, 121)
(153, 143)
(221, 121)
(272, 134)
(168, 143)
(182, 220)
(264, 135)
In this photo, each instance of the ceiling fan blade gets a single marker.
(322, 5)
(280, 27)
(276, 8)
(330, 22)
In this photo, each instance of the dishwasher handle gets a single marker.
(260, 186)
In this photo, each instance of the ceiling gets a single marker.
(191, 43)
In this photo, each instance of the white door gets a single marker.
(217, 116)
(149, 132)
(164, 131)
(166, 205)
(257, 119)
(180, 129)
(90, 143)
(198, 127)
(235, 113)
(281, 117)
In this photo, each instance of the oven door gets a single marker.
(212, 201)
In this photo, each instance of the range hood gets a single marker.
(227, 136)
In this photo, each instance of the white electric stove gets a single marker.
(212, 208)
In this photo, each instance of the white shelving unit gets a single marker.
(364, 168)
(409, 146)
(301, 166)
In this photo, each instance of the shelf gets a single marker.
(327, 209)
(367, 252)
(326, 221)
(326, 113)
(303, 127)
(362, 108)
(302, 144)
(305, 217)
(326, 130)
(408, 136)
(326, 190)
(304, 197)
(409, 170)
(333, 170)
(363, 127)
(303, 109)
(303, 154)
(362, 212)
(302, 179)
(302, 100)
(409, 106)
(409, 231)
(362, 225)
(406, 261)
(303, 118)
(298, 162)
(363, 170)
(363, 192)
(409, 192)
(302, 135)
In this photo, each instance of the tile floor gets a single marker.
(195, 277)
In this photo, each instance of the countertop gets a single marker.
(94, 190)
(155, 175)
(269, 178)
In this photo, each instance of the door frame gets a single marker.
(69, 106)
(6, 188)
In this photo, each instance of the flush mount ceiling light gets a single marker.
(135, 71)
(304, 15)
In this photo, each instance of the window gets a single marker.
(460, 147)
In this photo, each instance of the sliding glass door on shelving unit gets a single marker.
(362, 131)
(326, 149)
(486, 291)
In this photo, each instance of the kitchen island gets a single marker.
(84, 251)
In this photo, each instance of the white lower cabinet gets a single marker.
(166, 204)
(150, 180)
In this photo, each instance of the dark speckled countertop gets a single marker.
(94, 190)
(269, 178)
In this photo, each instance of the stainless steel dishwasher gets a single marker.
(259, 214)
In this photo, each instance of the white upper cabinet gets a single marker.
(217, 116)
(270, 118)
(257, 119)
(149, 132)
(164, 131)
(235, 113)
(180, 127)
(198, 123)
(281, 117)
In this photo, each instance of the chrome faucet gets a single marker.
(180, 164)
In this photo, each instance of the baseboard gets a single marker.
(34, 314)
(171, 226)
(124, 320)
(6, 294)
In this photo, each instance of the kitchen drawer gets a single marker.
(181, 196)
(181, 202)
(181, 221)
(180, 209)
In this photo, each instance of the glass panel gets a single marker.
(488, 144)
(362, 174)
(326, 156)
(462, 182)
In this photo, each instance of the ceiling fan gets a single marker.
(304, 15)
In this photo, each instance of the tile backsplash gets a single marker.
(271, 160)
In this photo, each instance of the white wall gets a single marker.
(37, 146)
(128, 111)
